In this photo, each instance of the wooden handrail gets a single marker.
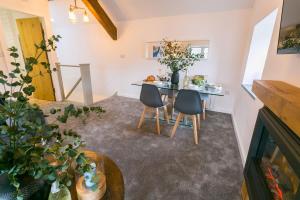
(69, 65)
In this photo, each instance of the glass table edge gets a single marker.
(221, 93)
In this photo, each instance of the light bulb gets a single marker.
(86, 17)
(72, 15)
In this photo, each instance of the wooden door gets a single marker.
(31, 33)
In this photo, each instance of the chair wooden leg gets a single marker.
(203, 108)
(166, 114)
(180, 115)
(165, 97)
(195, 128)
(157, 121)
(198, 120)
(142, 117)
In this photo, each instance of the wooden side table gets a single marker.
(114, 181)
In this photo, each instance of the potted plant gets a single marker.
(177, 56)
(34, 153)
(92, 185)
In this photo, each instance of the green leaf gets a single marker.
(12, 75)
(16, 83)
(2, 74)
(72, 153)
(29, 90)
(28, 67)
(38, 175)
(15, 64)
(46, 65)
(13, 49)
(80, 159)
(62, 119)
(85, 109)
(2, 81)
(14, 55)
(26, 79)
(53, 111)
(17, 94)
(52, 176)
(22, 99)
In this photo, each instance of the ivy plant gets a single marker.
(29, 146)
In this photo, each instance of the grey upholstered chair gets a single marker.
(151, 98)
(188, 102)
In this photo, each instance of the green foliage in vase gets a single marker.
(291, 40)
(177, 55)
(28, 145)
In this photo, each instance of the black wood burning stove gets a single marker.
(272, 170)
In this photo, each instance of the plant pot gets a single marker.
(30, 188)
(63, 194)
(175, 78)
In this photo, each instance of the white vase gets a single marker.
(186, 79)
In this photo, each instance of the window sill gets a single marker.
(248, 89)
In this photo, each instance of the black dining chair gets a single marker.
(151, 98)
(188, 102)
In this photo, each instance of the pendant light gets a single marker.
(72, 13)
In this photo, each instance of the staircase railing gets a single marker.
(85, 79)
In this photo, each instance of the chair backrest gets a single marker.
(150, 96)
(188, 102)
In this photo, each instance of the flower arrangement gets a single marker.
(30, 147)
(177, 55)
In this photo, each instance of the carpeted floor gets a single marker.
(159, 168)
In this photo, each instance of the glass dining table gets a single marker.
(171, 91)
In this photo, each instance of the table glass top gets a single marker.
(207, 89)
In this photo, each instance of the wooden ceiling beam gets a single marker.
(96, 9)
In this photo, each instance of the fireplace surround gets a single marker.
(272, 168)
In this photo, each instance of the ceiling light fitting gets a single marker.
(72, 14)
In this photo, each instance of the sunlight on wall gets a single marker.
(259, 47)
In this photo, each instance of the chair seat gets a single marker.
(189, 111)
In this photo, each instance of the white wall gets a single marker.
(117, 64)
(278, 67)
(37, 8)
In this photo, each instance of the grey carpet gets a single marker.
(159, 168)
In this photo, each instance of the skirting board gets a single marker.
(237, 135)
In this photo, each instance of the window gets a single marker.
(200, 50)
(259, 47)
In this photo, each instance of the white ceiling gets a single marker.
(137, 9)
